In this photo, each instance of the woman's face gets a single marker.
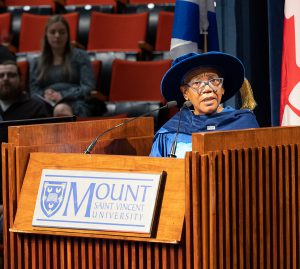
(57, 35)
(203, 87)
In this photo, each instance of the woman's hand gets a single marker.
(52, 95)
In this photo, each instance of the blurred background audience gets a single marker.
(62, 75)
(15, 103)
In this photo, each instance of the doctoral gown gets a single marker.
(228, 119)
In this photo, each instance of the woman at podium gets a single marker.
(200, 83)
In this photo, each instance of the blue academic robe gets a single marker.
(228, 119)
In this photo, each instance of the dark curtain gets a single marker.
(253, 50)
(252, 30)
(275, 23)
(227, 34)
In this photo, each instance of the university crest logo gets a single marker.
(52, 197)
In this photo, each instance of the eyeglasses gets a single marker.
(198, 86)
(9, 75)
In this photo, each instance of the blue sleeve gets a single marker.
(157, 146)
(161, 145)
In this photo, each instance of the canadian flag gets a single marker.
(290, 68)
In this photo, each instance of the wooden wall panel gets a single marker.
(248, 209)
(242, 211)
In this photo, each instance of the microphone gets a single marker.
(174, 144)
(94, 142)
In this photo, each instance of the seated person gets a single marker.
(16, 104)
(62, 75)
(206, 80)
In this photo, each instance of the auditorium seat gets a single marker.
(163, 35)
(91, 3)
(116, 32)
(24, 74)
(30, 41)
(96, 99)
(136, 6)
(153, 10)
(135, 88)
(30, 3)
(106, 59)
(164, 31)
(155, 6)
(18, 7)
(137, 81)
(84, 8)
(156, 2)
(115, 36)
(96, 64)
(5, 22)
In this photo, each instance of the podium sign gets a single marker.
(94, 200)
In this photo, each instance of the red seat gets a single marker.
(151, 1)
(96, 64)
(29, 3)
(24, 74)
(72, 19)
(164, 31)
(30, 41)
(116, 32)
(85, 8)
(137, 81)
(5, 21)
(90, 2)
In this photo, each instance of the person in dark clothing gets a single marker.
(16, 104)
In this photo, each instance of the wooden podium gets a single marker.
(235, 196)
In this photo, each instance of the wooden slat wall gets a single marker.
(242, 211)
(247, 208)
(40, 252)
(50, 135)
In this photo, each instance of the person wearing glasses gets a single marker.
(200, 83)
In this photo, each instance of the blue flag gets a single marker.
(193, 21)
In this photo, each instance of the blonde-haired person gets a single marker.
(62, 75)
(206, 80)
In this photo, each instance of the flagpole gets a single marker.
(205, 41)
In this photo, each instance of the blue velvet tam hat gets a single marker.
(230, 67)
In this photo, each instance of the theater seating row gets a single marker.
(105, 32)
(132, 82)
(115, 43)
(54, 3)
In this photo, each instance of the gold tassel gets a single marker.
(246, 92)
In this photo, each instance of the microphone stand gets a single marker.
(174, 144)
(94, 142)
